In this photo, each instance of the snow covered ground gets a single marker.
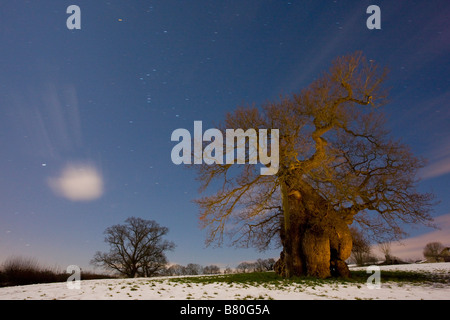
(167, 289)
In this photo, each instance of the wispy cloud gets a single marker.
(78, 183)
(48, 118)
(437, 169)
(439, 162)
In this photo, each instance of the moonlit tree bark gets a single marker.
(338, 166)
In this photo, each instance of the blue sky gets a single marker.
(107, 97)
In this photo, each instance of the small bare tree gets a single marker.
(361, 247)
(244, 267)
(432, 251)
(264, 264)
(137, 248)
(176, 270)
(211, 269)
(385, 249)
(228, 270)
(193, 269)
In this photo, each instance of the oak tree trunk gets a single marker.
(293, 229)
(316, 241)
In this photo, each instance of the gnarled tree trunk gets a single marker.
(292, 236)
(316, 241)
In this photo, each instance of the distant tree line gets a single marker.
(362, 251)
(190, 269)
(259, 265)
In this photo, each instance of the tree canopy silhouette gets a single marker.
(338, 165)
(136, 248)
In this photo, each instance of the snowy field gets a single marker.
(170, 288)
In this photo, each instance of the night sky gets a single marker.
(86, 115)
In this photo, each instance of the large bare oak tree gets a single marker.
(137, 248)
(338, 167)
